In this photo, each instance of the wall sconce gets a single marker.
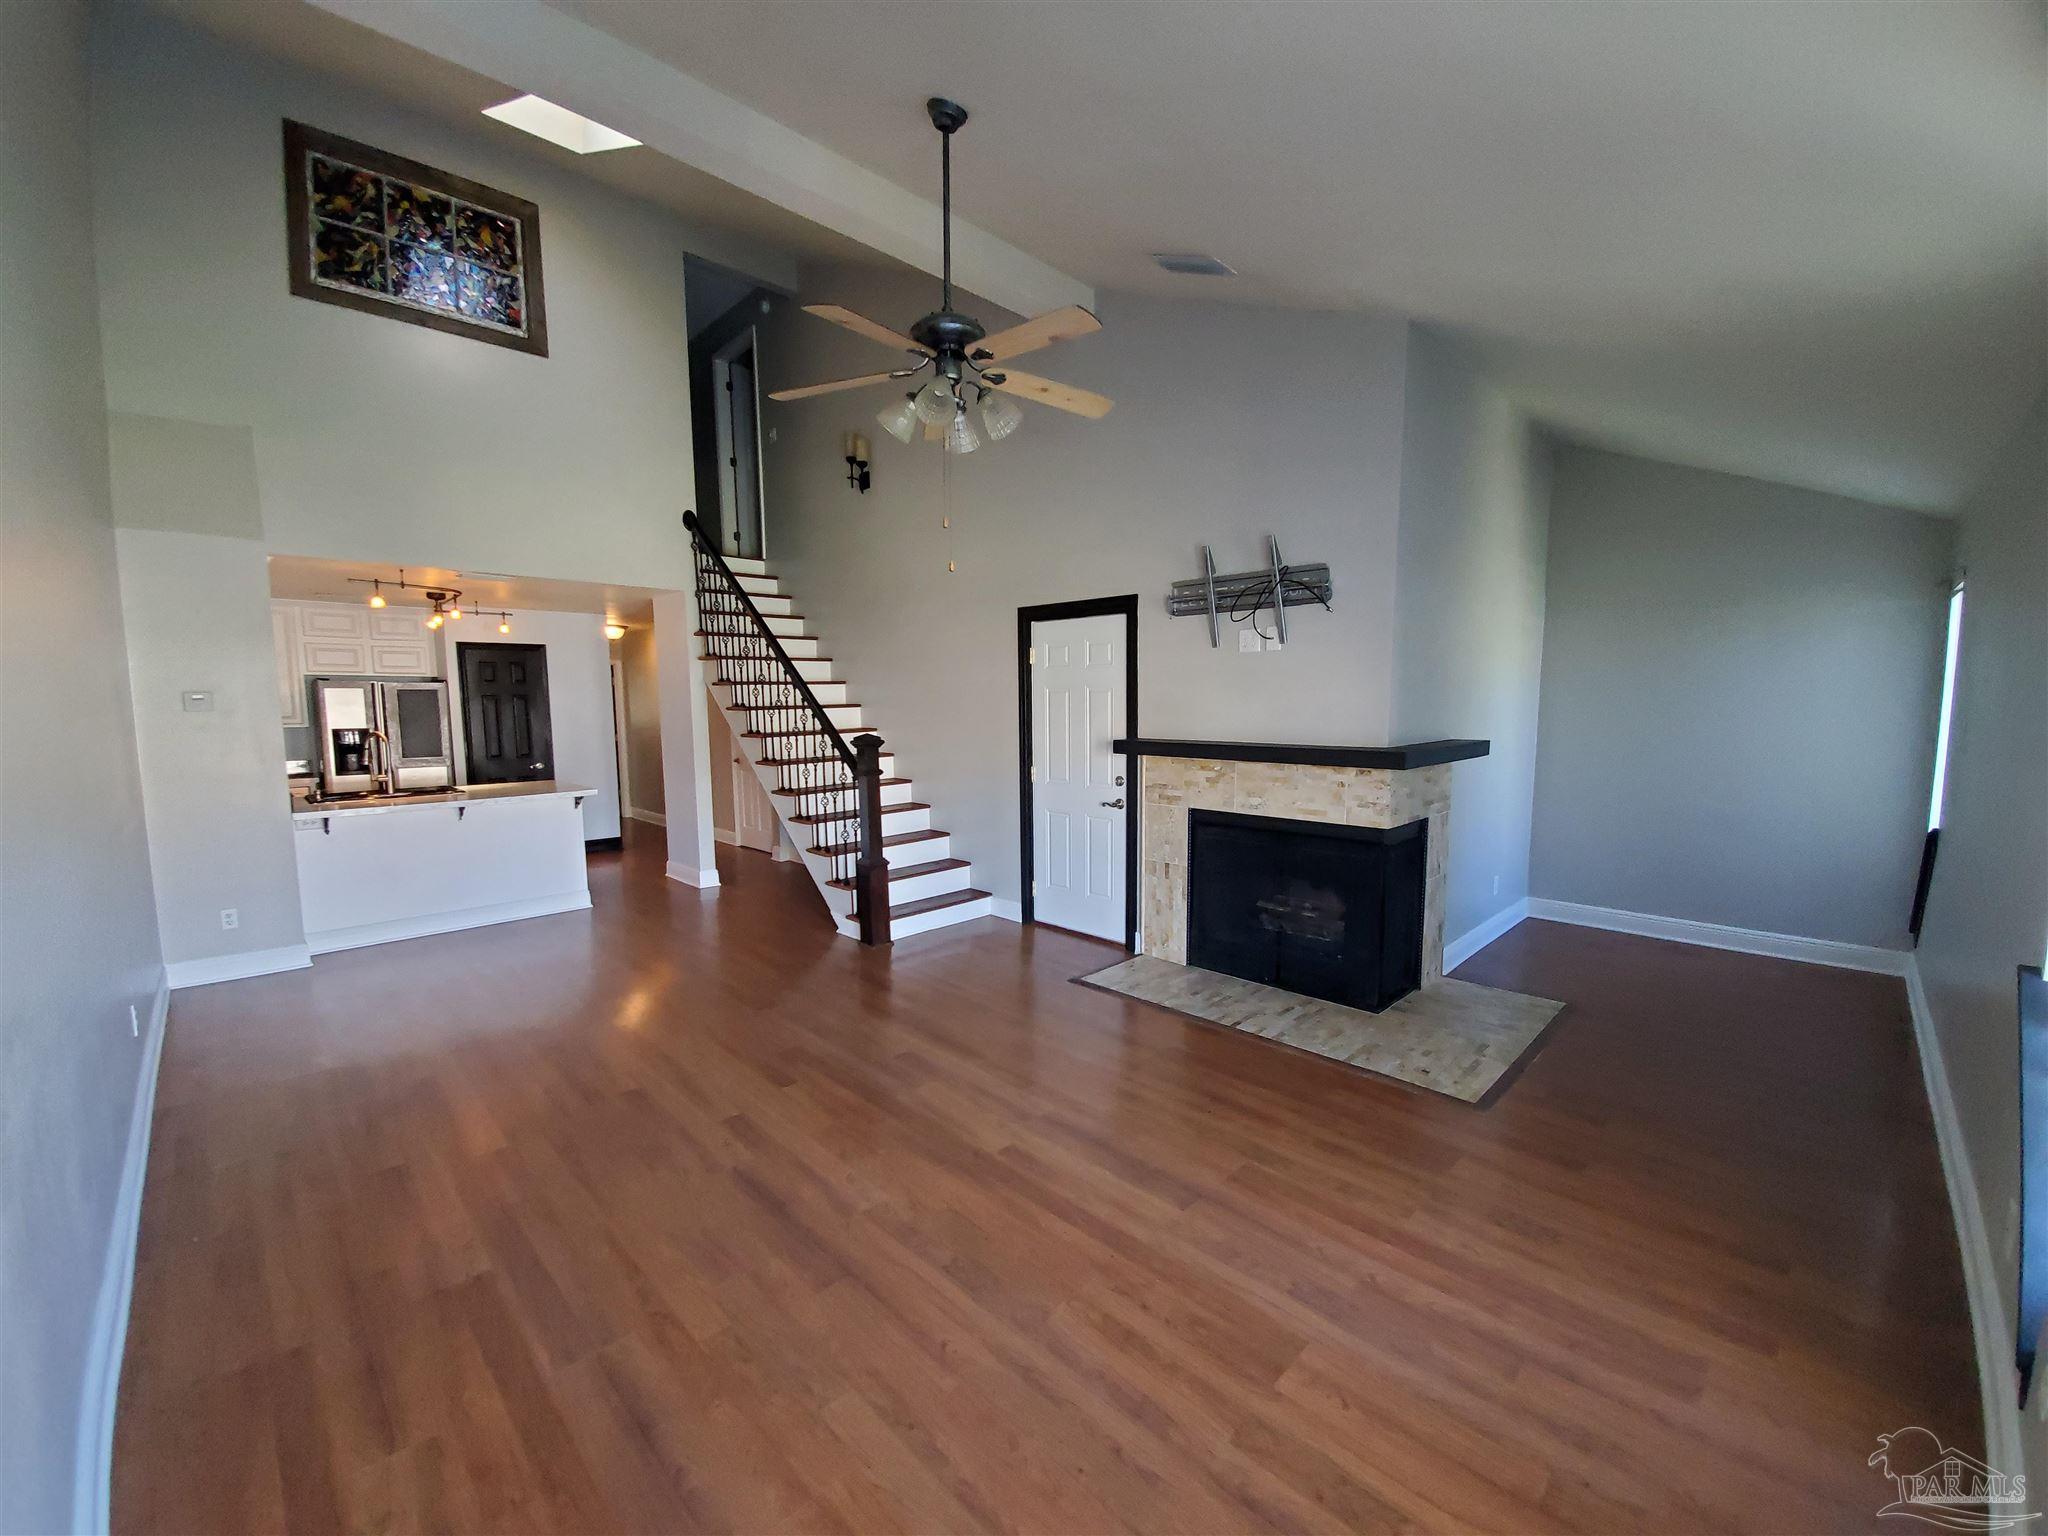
(857, 460)
(614, 631)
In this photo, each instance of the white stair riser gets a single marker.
(845, 716)
(772, 775)
(892, 794)
(762, 695)
(770, 604)
(902, 891)
(844, 829)
(757, 586)
(740, 565)
(925, 850)
(922, 886)
(925, 922)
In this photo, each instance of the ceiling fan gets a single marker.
(962, 355)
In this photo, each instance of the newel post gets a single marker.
(871, 868)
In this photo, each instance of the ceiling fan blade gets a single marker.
(1061, 397)
(804, 392)
(1054, 325)
(861, 325)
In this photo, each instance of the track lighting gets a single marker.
(376, 593)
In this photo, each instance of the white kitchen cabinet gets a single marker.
(333, 621)
(398, 624)
(291, 677)
(334, 658)
(402, 658)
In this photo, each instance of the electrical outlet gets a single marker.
(1247, 641)
(134, 1022)
(230, 918)
(1273, 642)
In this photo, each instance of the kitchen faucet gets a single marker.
(383, 756)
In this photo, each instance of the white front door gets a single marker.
(1078, 795)
(753, 813)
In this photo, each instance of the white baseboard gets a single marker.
(703, 879)
(652, 818)
(251, 962)
(730, 839)
(1749, 941)
(1997, 1376)
(329, 940)
(1476, 938)
(93, 1472)
(1009, 911)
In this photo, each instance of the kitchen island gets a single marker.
(383, 867)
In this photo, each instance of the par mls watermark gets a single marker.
(1946, 1487)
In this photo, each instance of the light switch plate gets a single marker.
(197, 700)
(1273, 642)
(1247, 640)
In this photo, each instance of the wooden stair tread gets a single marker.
(843, 784)
(939, 903)
(824, 818)
(848, 731)
(908, 872)
(893, 840)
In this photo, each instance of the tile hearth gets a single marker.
(1453, 1037)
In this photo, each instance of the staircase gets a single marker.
(792, 720)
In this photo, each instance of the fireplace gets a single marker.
(1326, 910)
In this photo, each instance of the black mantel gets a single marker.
(1421, 754)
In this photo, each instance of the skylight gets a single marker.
(558, 125)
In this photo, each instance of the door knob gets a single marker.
(1115, 805)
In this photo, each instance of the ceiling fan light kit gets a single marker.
(958, 349)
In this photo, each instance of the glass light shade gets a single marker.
(615, 631)
(376, 599)
(1000, 415)
(961, 436)
(900, 419)
(935, 403)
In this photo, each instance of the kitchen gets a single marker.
(451, 744)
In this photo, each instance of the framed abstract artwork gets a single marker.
(389, 236)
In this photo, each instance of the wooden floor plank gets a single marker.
(686, 1214)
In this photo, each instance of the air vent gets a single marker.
(1194, 265)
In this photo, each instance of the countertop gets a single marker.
(466, 794)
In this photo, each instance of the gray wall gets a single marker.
(1740, 684)
(377, 440)
(196, 610)
(78, 942)
(1988, 910)
(313, 430)
(1210, 441)
(1468, 611)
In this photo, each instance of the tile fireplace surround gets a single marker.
(1352, 786)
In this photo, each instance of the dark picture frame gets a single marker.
(375, 232)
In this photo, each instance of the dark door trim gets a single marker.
(1085, 608)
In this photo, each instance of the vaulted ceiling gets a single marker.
(1808, 242)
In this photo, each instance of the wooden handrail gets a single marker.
(831, 731)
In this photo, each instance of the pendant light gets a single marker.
(961, 436)
(900, 419)
(1000, 415)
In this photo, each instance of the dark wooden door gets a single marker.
(505, 712)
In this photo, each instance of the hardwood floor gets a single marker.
(686, 1214)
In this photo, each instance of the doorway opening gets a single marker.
(736, 416)
(1077, 692)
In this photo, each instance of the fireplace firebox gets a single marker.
(1326, 910)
